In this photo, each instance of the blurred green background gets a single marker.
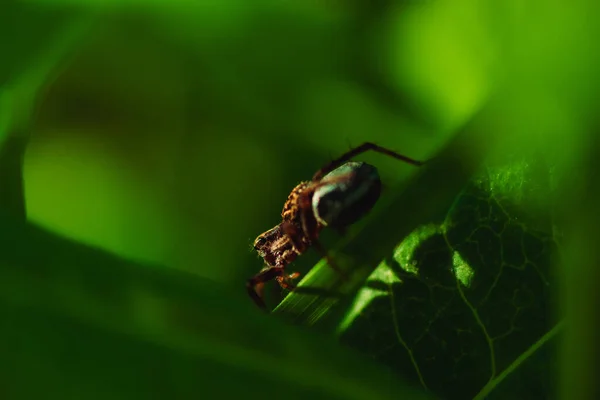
(176, 131)
(170, 132)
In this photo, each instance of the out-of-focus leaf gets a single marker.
(33, 56)
(578, 203)
(79, 322)
(31, 60)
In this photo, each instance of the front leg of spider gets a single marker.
(286, 281)
(278, 251)
(255, 284)
(294, 235)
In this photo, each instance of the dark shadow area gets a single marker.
(12, 196)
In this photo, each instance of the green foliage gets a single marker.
(465, 301)
(461, 301)
(171, 132)
(83, 323)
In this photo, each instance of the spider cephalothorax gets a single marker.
(338, 195)
(275, 247)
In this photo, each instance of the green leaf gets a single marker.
(29, 66)
(36, 58)
(464, 303)
(79, 322)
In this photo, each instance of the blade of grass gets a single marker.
(178, 313)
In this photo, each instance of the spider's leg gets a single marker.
(255, 284)
(285, 281)
(291, 231)
(359, 150)
(325, 254)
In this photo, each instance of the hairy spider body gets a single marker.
(338, 195)
(275, 247)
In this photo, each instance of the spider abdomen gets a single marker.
(346, 194)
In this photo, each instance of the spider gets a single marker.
(338, 195)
